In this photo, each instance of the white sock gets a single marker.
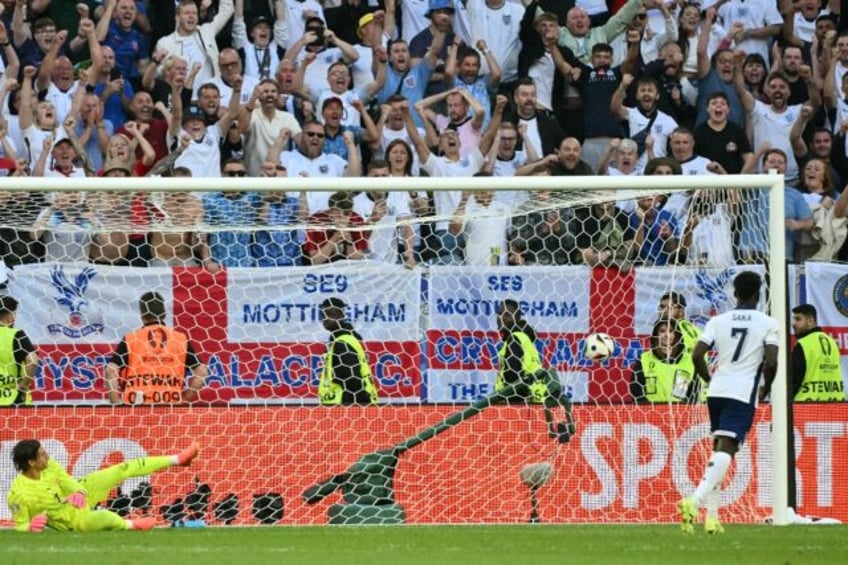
(711, 504)
(716, 469)
(175, 460)
(129, 524)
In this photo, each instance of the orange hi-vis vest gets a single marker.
(155, 371)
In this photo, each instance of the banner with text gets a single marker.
(628, 464)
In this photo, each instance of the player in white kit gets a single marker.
(746, 343)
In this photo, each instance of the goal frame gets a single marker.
(773, 182)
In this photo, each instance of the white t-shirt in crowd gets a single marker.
(325, 165)
(661, 128)
(774, 128)
(485, 232)
(383, 243)
(446, 201)
(202, 158)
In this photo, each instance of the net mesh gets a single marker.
(262, 289)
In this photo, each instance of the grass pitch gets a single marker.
(408, 545)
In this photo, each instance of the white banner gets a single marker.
(707, 292)
(553, 299)
(283, 305)
(83, 303)
(827, 289)
(451, 386)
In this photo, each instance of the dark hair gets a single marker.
(601, 48)
(671, 322)
(209, 86)
(396, 98)
(465, 52)
(152, 305)
(8, 304)
(654, 164)
(394, 42)
(682, 130)
(333, 303)
(674, 297)
(378, 164)
(775, 150)
(341, 201)
(647, 79)
(510, 304)
(718, 94)
(714, 58)
(779, 76)
(24, 452)
(407, 168)
(747, 285)
(270, 81)
(526, 81)
(788, 47)
(42, 23)
(806, 310)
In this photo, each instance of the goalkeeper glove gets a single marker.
(38, 523)
(77, 499)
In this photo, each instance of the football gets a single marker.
(598, 346)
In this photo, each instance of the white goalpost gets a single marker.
(430, 334)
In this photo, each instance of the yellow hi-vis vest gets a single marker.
(531, 363)
(660, 376)
(823, 380)
(329, 391)
(10, 371)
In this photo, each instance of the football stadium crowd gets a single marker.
(446, 88)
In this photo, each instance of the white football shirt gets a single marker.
(739, 337)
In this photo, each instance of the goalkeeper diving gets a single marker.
(44, 495)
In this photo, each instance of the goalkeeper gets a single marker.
(521, 366)
(45, 495)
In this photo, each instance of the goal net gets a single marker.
(452, 437)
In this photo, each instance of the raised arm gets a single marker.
(617, 107)
(495, 72)
(239, 27)
(102, 29)
(42, 81)
(232, 111)
(348, 52)
(603, 166)
(380, 61)
(704, 42)
(13, 63)
(281, 26)
(449, 74)
(747, 99)
(488, 138)
(432, 55)
(354, 162)
(806, 74)
(225, 12)
(796, 139)
(412, 131)
(27, 99)
(476, 107)
(281, 142)
(21, 30)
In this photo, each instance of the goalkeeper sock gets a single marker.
(716, 469)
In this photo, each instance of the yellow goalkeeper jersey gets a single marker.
(29, 498)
